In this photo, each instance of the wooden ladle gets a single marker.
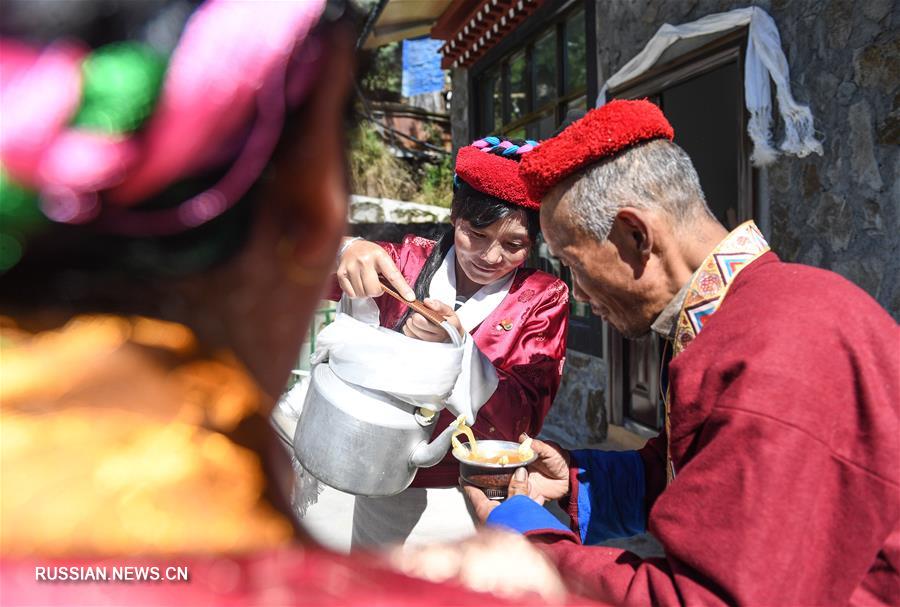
(415, 305)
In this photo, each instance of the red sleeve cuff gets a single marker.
(549, 535)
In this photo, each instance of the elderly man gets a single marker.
(780, 479)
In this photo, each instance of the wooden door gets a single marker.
(642, 398)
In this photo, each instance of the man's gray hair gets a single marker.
(656, 175)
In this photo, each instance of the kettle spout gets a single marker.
(426, 455)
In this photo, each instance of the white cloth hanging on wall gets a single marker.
(764, 60)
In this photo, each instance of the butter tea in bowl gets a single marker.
(490, 464)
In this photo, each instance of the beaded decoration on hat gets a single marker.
(602, 133)
(488, 166)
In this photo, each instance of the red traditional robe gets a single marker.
(785, 437)
(306, 576)
(525, 339)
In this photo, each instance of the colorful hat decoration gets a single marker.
(602, 133)
(496, 175)
(90, 135)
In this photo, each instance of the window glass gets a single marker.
(526, 93)
(579, 103)
(544, 58)
(542, 127)
(517, 99)
(702, 112)
(546, 125)
(490, 98)
(497, 99)
(579, 308)
(518, 133)
(576, 60)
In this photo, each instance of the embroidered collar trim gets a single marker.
(704, 294)
(480, 305)
(710, 283)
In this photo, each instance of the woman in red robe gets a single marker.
(517, 318)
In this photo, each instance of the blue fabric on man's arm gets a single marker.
(610, 494)
(521, 513)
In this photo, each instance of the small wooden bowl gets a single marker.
(493, 479)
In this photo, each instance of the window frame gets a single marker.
(552, 15)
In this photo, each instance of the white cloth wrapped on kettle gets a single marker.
(424, 374)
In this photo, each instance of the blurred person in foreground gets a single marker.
(170, 217)
(776, 481)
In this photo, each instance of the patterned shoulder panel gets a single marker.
(530, 282)
(418, 241)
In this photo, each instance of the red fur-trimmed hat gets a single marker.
(496, 175)
(602, 133)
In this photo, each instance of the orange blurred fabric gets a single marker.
(119, 436)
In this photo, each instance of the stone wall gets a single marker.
(840, 210)
(579, 413)
(368, 209)
(387, 220)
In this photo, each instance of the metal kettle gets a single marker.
(372, 406)
(363, 441)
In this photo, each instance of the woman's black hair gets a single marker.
(480, 210)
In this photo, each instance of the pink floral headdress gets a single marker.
(238, 67)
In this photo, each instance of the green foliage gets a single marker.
(375, 171)
(437, 186)
(383, 75)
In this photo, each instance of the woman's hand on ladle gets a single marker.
(359, 267)
(421, 328)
